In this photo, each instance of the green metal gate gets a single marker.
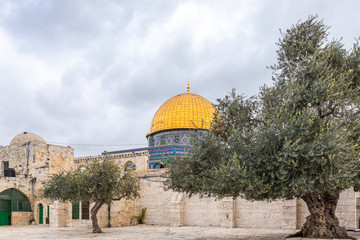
(11, 200)
(5, 210)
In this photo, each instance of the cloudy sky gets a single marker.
(91, 74)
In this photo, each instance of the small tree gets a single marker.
(101, 183)
(297, 139)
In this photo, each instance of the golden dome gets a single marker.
(184, 111)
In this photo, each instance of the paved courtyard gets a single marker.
(146, 232)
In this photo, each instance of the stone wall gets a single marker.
(20, 218)
(156, 201)
(163, 207)
(121, 214)
(258, 214)
(37, 159)
(59, 214)
(175, 209)
(139, 158)
(34, 162)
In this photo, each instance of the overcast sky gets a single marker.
(91, 74)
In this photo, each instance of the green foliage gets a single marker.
(297, 136)
(140, 218)
(101, 180)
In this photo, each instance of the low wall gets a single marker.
(175, 209)
(121, 214)
(20, 218)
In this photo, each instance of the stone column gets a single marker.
(59, 214)
(176, 210)
(289, 214)
(227, 213)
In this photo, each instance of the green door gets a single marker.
(11, 200)
(4, 212)
(41, 211)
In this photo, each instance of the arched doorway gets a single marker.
(41, 214)
(11, 200)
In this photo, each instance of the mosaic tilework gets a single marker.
(157, 141)
(151, 141)
(163, 155)
(130, 166)
(169, 139)
(174, 137)
(167, 145)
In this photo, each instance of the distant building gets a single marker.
(25, 165)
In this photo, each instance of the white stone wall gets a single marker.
(156, 201)
(201, 212)
(175, 209)
(258, 214)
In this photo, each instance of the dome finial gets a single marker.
(188, 86)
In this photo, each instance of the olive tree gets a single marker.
(298, 138)
(101, 183)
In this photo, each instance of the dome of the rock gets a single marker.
(183, 111)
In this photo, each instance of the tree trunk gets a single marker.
(94, 211)
(322, 222)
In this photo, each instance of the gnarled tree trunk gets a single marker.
(94, 211)
(322, 222)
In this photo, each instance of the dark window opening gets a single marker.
(75, 211)
(85, 210)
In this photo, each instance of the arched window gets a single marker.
(19, 201)
(130, 166)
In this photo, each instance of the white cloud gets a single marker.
(96, 71)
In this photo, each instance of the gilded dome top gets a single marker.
(183, 111)
(26, 137)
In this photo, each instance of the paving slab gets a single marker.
(143, 232)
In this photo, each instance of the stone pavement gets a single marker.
(146, 232)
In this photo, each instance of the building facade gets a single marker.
(29, 161)
(25, 165)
